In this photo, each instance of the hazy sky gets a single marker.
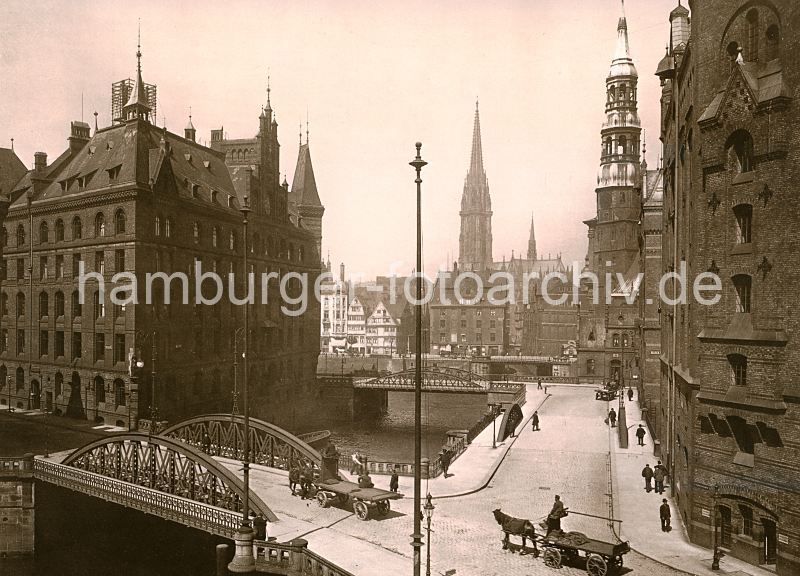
(375, 77)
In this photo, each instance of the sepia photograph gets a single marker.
(527, 306)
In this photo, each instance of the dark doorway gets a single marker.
(770, 540)
(48, 401)
(75, 405)
(725, 526)
(36, 395)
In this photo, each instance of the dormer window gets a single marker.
(738, 364)
(196, 191)
(230, 201)
(740, 147)
(113, 173)
(214, 197)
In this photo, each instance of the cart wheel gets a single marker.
(322, 499)
(596, 565)
(361, 510)
(552, 557)
(383, 507)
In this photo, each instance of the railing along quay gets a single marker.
(293, 558)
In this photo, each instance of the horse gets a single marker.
(517, 527)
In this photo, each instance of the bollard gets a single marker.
(424, 468)
(260, 526)
(299, 547)
(222, 560)
(244, 561)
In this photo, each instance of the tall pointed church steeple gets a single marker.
(532, 243)
(475, 240)
(137, 106)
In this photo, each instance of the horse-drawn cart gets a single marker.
(332, 491)
(601, 557)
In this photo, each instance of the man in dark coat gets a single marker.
(445, 460)
(630, 394)
(659, 473)
(394, 481)
(665, 514)
(306, 477)
(647, 474)
(535, 420)
(612, 417)
(640, 434)
(556, 514)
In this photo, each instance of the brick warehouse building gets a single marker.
(729, 385)
(134, 197)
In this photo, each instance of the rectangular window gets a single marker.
(4, 340)
(59, 343)
(20, 268)
(100, 262)
(119, 260)
(76, 265)
(43, 267)
(747, 520)
(77, 346)
(119, 348)
(463, 323)
(741, 284)
(492, 337)
(443, 337)
(59, 266)
(44, 343)
(99, 346)
(20, 341)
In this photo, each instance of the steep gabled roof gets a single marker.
(304, 185)
(12, 170)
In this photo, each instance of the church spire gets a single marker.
(532, 242)
(137, 106)
(622, 64)
(476, 160)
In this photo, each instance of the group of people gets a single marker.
(659, 473)
(302, 476)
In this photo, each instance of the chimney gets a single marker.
(78, 135)
(341, 271)
(40, 162)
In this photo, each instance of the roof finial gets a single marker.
(300, 133)
(95, 121)
(307, 123)
(139, 48)
(12, 144)
(269, 89)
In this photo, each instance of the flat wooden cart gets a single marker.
(601, 557)
(364, 500)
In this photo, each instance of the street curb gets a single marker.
(56, 424)
(489, 475)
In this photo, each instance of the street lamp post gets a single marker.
(428, 508)
(9, 393)
(416, 543)
(622, 423)
(494, 420)
(153, 408)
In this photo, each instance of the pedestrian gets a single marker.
(535, 420)
(647, 474)
(444, 458)
(355, 463)
(612, 417)
(394, 481)
(630, 394)
(206, 443)
(294, 478)
(659, 473)
(306, 477)
(640, 434)
(539, 385)
(665, 514)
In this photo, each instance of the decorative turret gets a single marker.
(475, 240)
(189, 132)
(304, 198)
(532, 243)
(137, 107)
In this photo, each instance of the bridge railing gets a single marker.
(168, 506)
(293, 559)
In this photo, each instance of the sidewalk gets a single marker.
(638, 510)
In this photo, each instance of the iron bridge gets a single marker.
(434, 379)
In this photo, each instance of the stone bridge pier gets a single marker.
(16, 506)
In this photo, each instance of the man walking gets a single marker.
(445, 460)
(640, 434)
(394, 481)
(612, 417)
(630, 394)
(665, 514)
(659, 473)
(539, 386)
(535, 420)
(647, 474)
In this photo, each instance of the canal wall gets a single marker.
(16, 506)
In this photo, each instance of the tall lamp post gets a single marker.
(416, 543)
(622, 424)
(139, 365)
(428, 509)
(243, 560)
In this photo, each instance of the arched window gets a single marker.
(740, 146)
(615, 340)
(609, 145)
(732, 50)
(119, 222)
(158, 226)
(20, 304)
(741, 285)
(167, 227)
(99, 306)
(622, 145)
(77, 228)
(214, 236)
(59, 230)
(44, 304)
(738, 364)
(625, 342)
(623, 92)
(773, 42)
(751, 54)
(59, 304)
(75, 304)
(744, 222)
(99, 389)
(119, 392)
(99, 225)
(44, 233)
(59, 384)
(232, 241)
(196, 232)
(20, 235)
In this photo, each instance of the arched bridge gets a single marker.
(223, 435)
(157, 475)
(434, 379)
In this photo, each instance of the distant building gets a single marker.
(334, 295)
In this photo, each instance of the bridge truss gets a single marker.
(158, 475)
(434, 379)
(223, 435)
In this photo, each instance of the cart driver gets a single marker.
(556, 514)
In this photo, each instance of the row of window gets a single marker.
(99, 385)
(478, 337)
(58, 310)
(77, 229)
(57, 272)
(478, 323)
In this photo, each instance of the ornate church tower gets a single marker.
(618, 180)
(475, 240)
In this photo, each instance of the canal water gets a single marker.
(391, 437)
